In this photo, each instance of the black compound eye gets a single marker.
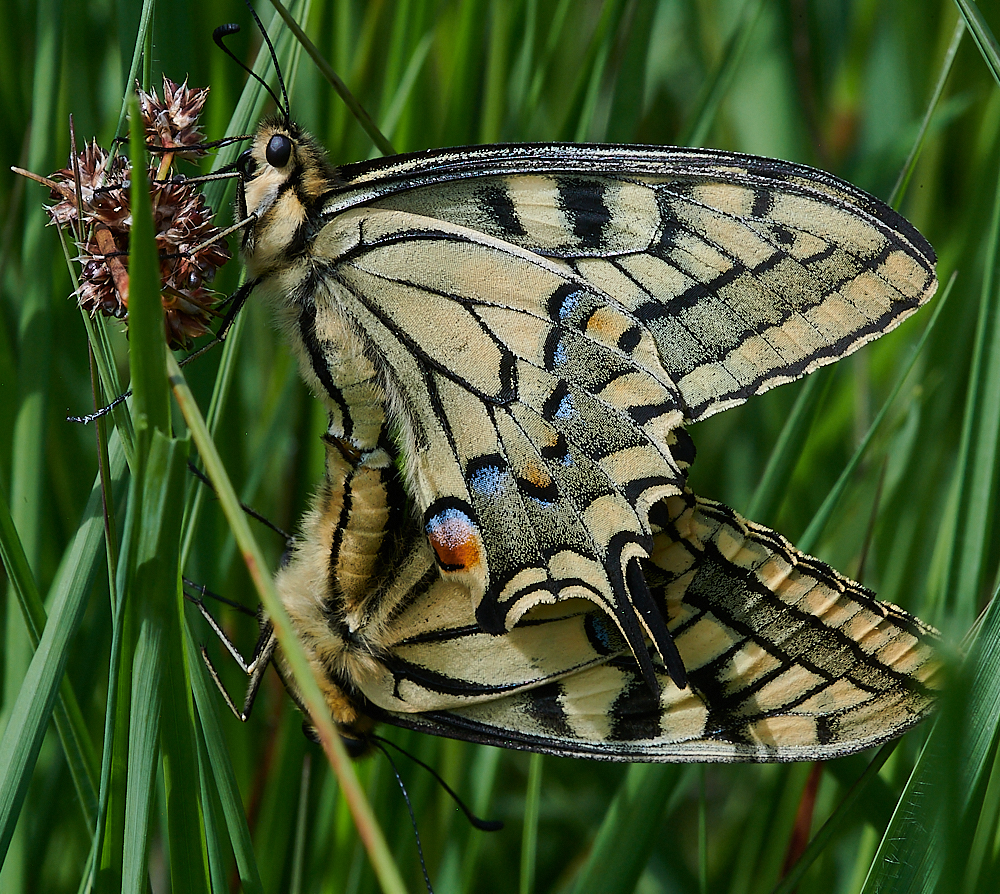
(246, 165)
(279, 150)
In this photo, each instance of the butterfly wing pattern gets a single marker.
(523, 331)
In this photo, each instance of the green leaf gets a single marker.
(145, 311)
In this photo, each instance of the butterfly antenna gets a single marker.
(483, 825)
(274, 59)
(377, 741)
(223, 31)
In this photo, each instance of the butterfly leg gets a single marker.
(262, 655)
(236, 302)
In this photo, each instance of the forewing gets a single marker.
(748, 272)
(787, 660)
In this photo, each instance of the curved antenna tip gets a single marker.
(224, 31)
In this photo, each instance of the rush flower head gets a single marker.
(172, 123)
(100, 216)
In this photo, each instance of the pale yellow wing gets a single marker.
(786, 659)
(534, 442)
(748, 271)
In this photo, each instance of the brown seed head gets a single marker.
(172, 123)
(102, 220)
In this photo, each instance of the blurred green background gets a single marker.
(844, 86)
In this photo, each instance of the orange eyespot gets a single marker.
(455, 539)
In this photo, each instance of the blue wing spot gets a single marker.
(566, 410)
(563, 302)
(560, 355)
(487, 480)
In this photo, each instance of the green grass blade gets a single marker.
(150, 397)
(529, 833)
(28, 422)
(73, 733)
(110, 839)
(143, 741)
(927, 831)
(834, 823)
(630, 831)
(718, 84)
(770, 490)
(22, 737)
(979, 450)
(906, 172)
(983, 35)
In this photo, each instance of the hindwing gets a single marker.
(534, 441)
(786, 659)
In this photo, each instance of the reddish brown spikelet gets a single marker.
(189, 246)
(172, 123)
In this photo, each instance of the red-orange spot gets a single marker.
(604, 325)
(454, 539)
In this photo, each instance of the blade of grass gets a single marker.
(73, 733)
(319, 714)
(301, 825)
(576, 118)
(162, 706)
(771, 489)
(629, 832)
(718, 83)
(22, 737)
(110, 838)
(834, 822)
(983, 36)
(923, 836)
(529, 834)
(979, 447)
(143, 739)
(33, 370)
(399, 101)
(157, 579)
(906, 172)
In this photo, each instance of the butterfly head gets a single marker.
(283, 176)
(283, 179)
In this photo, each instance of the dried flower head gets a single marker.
(104, 179)
(189, 246)
(183, 225)
(172, 123)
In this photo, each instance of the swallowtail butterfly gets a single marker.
(510, 340)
